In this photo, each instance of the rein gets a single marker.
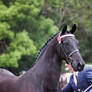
(68, 57)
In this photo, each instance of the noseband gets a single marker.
(68, 57)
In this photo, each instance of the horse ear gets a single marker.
(64, 29)
(73, 29)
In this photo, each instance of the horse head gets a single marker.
(69, 48)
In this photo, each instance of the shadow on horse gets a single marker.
(44, 75)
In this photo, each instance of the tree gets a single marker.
(73, 12)
(21, 31)
(25, 26)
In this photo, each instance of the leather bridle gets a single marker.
(68, 57)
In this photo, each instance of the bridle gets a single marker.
(68, 57)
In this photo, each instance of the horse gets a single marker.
(4, 73)
(44, 75)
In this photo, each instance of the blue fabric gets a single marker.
(84, 81)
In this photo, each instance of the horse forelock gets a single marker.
(44, 47)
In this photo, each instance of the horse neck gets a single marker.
(48, 68)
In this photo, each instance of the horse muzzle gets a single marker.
(78, 67)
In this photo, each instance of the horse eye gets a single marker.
(62, 41)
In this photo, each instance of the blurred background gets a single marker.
(26, 25)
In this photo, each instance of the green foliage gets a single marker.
(15, 41)
(47, 25)
(5, 31)
(26, 25)
(70, 12)
(45, 30)
(20, 46)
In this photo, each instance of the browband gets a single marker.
(66, 35)
(63, 36)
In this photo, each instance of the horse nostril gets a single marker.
(80, 66)
(83, 65)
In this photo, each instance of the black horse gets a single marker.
(44, 75)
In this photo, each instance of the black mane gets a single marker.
(44, 47)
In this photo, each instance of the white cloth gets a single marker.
(75, 75)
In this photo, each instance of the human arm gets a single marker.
(68, 88)
(88, 75)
